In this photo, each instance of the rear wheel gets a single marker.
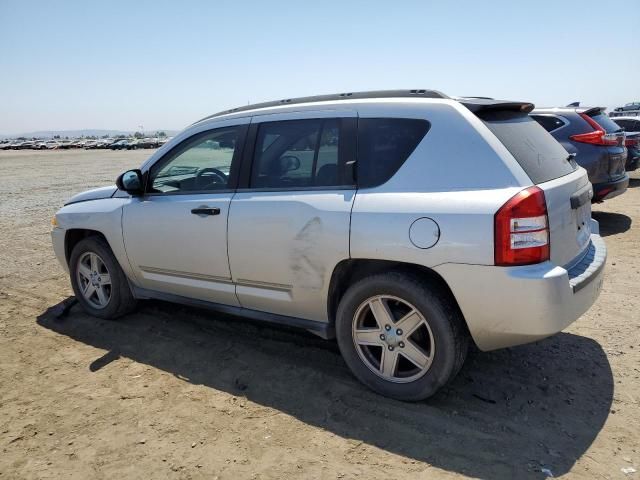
(401, 336)
(98, 282)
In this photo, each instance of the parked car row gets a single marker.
(87, 144)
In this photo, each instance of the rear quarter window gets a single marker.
(384, 144)
(538, 153)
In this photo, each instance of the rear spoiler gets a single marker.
(482, 105)
(593, 111)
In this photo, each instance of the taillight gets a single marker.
(521, 235)
(597, 137)
(632, 142)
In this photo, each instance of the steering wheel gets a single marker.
(212, 176)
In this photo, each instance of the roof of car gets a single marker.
(475, 104)
(626, 117)
(415, 93)
(568, 109)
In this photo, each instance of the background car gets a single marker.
(148, 143)
(104, 142)
(631, 126)
(628, 124)
(25, 145)
(629, 106)
(596, 142)
(47, 145)
(120, 144)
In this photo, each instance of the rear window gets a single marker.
(384, 144)
(538, 153)
(605, 122)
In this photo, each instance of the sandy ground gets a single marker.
(174, 392)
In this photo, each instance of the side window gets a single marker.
(297, 153)
(384, 144)
(549, 123)
(201, 163)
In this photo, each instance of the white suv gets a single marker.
(404, 223)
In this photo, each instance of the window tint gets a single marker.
(297, 153)
(384, 144)
(538, 153)
(605, 122)
(201, 163)
(549, 123)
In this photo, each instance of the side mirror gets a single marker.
(289, 163)
(130, 182)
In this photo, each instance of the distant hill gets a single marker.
(83, 133)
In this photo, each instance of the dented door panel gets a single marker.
(283, 247)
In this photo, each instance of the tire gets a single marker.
(120, 298)
(441, 332)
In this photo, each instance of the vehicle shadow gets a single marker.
(634, 182)
(508, 414)
(612, 223)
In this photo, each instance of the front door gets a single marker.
(175, 235)
(289, 220)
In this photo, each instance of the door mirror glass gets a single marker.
(130, 181)
(289, 163)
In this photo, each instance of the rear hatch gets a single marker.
(613, 139)
(566, 186)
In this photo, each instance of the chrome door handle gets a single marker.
(206, 211)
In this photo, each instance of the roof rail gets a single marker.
(333, 97)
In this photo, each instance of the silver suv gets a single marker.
(404, 223)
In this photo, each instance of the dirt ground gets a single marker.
(174, 392)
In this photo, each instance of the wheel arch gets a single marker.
(74, 235)
(349, 271)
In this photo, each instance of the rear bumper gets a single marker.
(606, 190)
(507, 306)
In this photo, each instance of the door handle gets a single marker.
(206, 211)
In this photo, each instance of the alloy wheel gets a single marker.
(94, 280)
(393, 338)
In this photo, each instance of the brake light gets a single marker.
(632, 142)
(521, 229)
(597, 137)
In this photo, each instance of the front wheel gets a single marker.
(401, 336)
(98, 282)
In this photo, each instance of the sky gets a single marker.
(163, 65)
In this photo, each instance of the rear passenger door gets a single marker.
(289, 220)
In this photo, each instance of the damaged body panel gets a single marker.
(283, 249)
